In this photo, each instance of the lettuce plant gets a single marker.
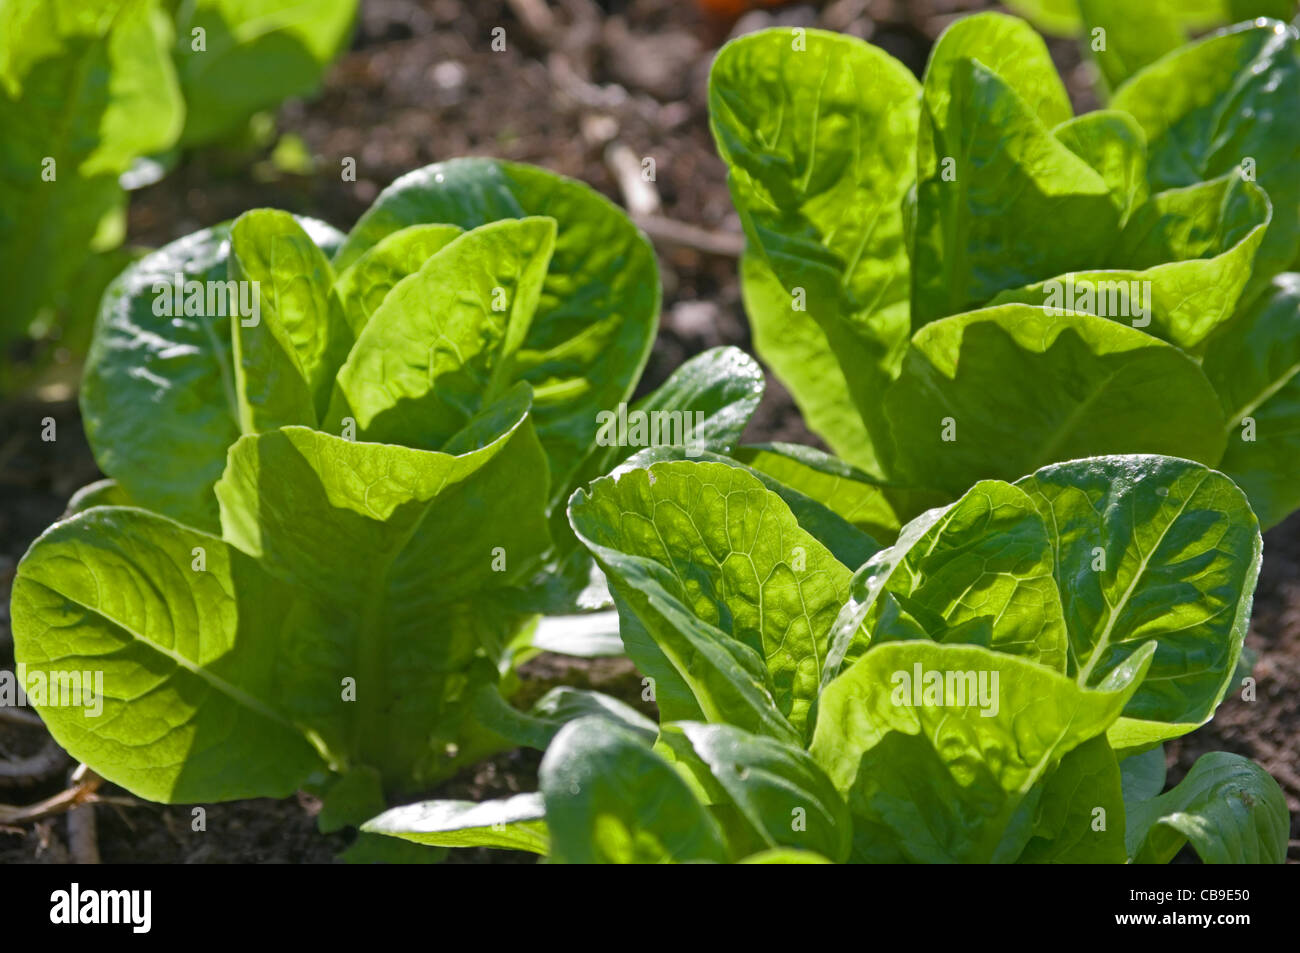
(90, 87)
(1121, 38)
(959, 279)
(315, 556)
(994, 686)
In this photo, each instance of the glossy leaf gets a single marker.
(515, 823)
(1023, 389)
(1151, 549)
(444, 343)
(599, 304)
(158, 345)
(778, 789)
(947, 772)
(875, 507)
(1210, 106)
(703, 406)
(820, 142)
(737, 597)
(610, 799)
(1228, 807)
(979, 571)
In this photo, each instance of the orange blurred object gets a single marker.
(733, 8)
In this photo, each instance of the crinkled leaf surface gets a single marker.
(1209, 106)
(364, 284)
(158, 397)
(195, 673)
(599, 304)
(950, 774)
(1024, 389)
(875, 507)
(848, 544)
(1152, 549)
(819, 144)
(735, 595)
(443, 344)
(979, 571)
(705, 403)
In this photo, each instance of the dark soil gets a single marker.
(421, 84)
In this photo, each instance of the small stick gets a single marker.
(672, 232)
(83, 840)
(640, 197)
(85, 784)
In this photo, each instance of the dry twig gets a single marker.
(669, 231)
(85, 784)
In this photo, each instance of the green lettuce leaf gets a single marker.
(610, 799)
(1152, 549)
(1179, 267)
(783, 797)
(951, 773)
(1024, 388)
(732, 596)
(1228, 807)
(1217, 104)
(363, 285)
(444, 343)
(1254, 364)
(1080, 818)
(599, 304)
(191, 683)
(286, 354)
(819, 182)
(255, 53)
(979, 571)
(86, 85)
(177, 363)
(995, 188)
(515, 823)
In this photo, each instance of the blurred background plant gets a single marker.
(101, 97)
